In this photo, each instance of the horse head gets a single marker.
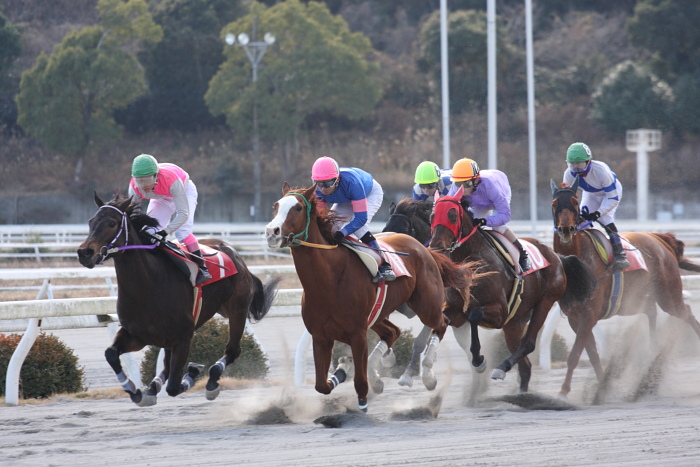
(108, 228)
(292, 217)
(450, 222)
(565, 210)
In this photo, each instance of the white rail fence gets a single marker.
(35, 312)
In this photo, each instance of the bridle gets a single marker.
(411, 228)
(293, 239)
(579, 226)
(110, 249)
(458, 241)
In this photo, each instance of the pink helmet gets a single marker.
(325, 168)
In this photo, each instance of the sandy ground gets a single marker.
(648, 413)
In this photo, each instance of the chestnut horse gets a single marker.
(490, 296)
(339, 295)
(155, 299)
(660, 283)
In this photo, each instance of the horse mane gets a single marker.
(422, 208)
(138, 219)
(325, 219)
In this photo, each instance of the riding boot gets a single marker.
(524, 258)
(203, 274)
(620, 262)
(385, 270)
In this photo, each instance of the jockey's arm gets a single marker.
(182, 206)
(359, 209)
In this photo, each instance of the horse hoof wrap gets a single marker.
(498, 374)
(481, 368)
(406, 380)
(213, 394)
(147, 401)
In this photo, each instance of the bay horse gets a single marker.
(454, 232)
(644, 288)
(155, 300)
(412, 217)
(339, 295)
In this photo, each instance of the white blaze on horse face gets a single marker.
(274, 232)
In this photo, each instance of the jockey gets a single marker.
(169, 191)
(487, 191)
(602, 192)
(355, 195)
(429, 179)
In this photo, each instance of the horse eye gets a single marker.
(112, 223)
(298, 208)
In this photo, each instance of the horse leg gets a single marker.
(359, 355)
(124, 343)
(419, 344)
(388, 333)
(150, 397)
(478, 360)
(178, 356)
(513, 332)
(583, 327)
(429, 356)
(236, 328)
(651, 314)
(322, 350)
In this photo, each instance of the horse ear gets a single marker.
(285, 188)
(460, 192)
(575, 185)
(437, 197)
(125, 205)
(392, 208)
(98, 200)
(309, 193)
(553, 185)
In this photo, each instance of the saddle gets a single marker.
(511, 255)
(604, 249)
(371, 258)
(219, 264)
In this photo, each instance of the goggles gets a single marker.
(327, 183)
(148, 180)
(465, 183)
(578, 166)
(428, 186)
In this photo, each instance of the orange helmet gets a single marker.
(465, 169)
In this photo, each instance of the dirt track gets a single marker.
(649, 414)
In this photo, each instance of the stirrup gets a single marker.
(387, 273)
(524, 262)
(202, 276)
(620, 263)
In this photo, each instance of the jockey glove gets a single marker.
(338, 236)
(479, 221)
(160, 236)
(590, 216)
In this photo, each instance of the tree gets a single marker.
(67, 99)
(179, 68)
(467, 44)
(631, 97)
(316, 66)
(668, 28)
(10, 49)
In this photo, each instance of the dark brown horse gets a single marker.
(660, 283)
(455, 233)
(339, 295)
(412, 217)
(155, 299)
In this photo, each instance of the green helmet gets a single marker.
(578, 152)
(427, 172)
(144, 165)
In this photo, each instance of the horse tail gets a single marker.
(264, 296)
(580, 281)
(678, 248)
(459, 276)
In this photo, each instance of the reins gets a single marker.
(293, 239)
(107, 250)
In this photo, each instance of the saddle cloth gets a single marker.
(371, 258)
(512, 255)
(604, 249)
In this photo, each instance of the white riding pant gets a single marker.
(163, 209)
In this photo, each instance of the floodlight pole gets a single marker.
(642, 141)
(255, 51)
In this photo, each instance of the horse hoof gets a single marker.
(562, 397)
(498, 374)
(362, 405)
(389, 359)
(212, 394)
(147, 401)
(429, 380)
(348, 365)
(377, 386)
(194, 369)
(481, 368)
(406, 380)
(136, 397)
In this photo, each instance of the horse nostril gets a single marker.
(277, 230)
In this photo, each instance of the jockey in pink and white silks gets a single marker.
(602, 192)
(172, 201)
(355, 195)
